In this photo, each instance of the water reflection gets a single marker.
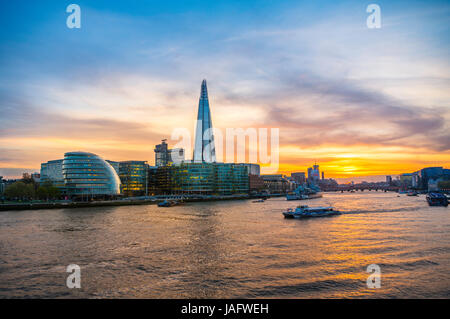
(230, 249)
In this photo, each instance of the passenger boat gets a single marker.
(304, 211)
(437, 199)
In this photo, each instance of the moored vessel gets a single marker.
(437, 199)
(305, 211)
(261, 200)
(168, 203)
(304, 192)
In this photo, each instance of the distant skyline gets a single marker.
(359, 101)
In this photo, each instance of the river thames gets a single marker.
(230, 249)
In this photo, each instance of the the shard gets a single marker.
(204, 150)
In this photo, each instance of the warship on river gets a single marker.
(304, 192)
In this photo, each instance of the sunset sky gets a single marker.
(359, 101)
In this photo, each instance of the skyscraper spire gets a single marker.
(204, 149)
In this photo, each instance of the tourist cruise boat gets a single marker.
(305, 211)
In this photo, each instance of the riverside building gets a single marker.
(165, 156)
(204, 179)
(2, 186)
(203, 176)
(51, 173)
(204, 147)
(86, 175)
(134, 178)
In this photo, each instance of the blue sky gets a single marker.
(350, 97)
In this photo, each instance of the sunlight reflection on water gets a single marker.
(230, 249)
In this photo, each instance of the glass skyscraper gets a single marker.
(204, 149)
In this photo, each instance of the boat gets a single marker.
(293, 196)
(303, 192)
(437, 199)
(305, 211)
(168, 203)
(262, 200)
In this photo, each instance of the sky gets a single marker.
(359, 101)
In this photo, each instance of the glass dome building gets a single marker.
(86, 174)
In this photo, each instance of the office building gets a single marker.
(256, 183)
(204, 148)
(406, 180)
(36, 177)
(165, 156)
(52, 173)
(277, 183)
(115, 165)
(231, 179)
(253, 169)
(134, 178)
(415, 180)
(313, 174)
(432, 173)
(298, 178)
(203, 179)
(389, 180)
(152, 180)
(86, 175)
(2, 186)
(192, 178)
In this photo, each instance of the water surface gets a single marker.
(230, 249)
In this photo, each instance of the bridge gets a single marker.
(361, 188)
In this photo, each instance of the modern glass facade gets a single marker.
(428, 174)
(52, 172)
(152, 181)
(192, 178)
(164, 180)
(204, 179)
(204, 149)
(231, 179)
(134, 177)
(115, 165)
(86, 174)
(2, 186)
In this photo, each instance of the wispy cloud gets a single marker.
(132, 74)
